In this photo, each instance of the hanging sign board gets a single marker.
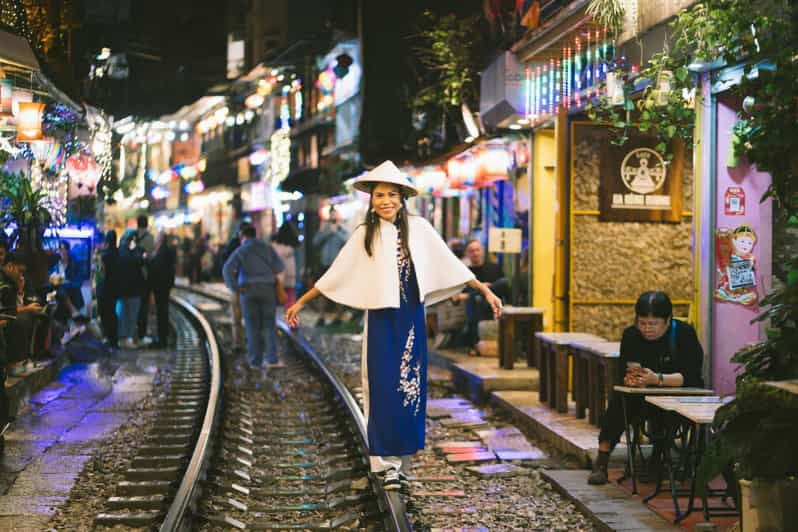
(504, 240)
(638, 184)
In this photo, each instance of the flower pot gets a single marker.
(769, 505)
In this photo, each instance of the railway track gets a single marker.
(252, 450)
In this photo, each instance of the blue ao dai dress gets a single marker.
(397, 369)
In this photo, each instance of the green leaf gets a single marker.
(629, 105)
(670, 131)
(661, 147)
(792, 278)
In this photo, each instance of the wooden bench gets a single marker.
(554, 348)
(595, 374)
(586, 377)
(510, 318)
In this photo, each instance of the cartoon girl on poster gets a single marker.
(735, 265)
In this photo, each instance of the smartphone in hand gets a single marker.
(633, 367)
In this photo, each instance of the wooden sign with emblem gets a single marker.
(637, 184)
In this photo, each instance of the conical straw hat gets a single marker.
(387, 172)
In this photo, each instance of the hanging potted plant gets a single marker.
(26, 210)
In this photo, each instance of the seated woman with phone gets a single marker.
(657, 350)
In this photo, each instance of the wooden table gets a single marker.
(554, 349)
(512, 316)
(595, 374)
(633, 443)
(700, 413)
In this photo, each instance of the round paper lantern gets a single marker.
(29, 121)
(493, 163)
(430, 180)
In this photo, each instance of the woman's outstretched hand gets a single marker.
(292, 315)
(495, 303)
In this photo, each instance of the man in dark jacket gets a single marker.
(235, 302)
(250, 271)
(162, 267)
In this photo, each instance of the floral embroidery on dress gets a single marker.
(410, 375)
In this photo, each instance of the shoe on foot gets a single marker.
(598, 476)
(275, 364)
(391, 481)
(404, 480)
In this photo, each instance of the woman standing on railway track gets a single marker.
(393, 265)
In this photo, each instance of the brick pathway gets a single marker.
(55, 435)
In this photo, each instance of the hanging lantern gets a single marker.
(56, 158)
(462, 172)
(19, 96)
(43, 150)
(6, 96)
(84, 174)
(430, 179)
(29, 126)
(493, 164)
(663, 90)
(615, 88)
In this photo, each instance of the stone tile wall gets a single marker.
(620, 260)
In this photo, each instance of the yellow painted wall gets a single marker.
(543, 224)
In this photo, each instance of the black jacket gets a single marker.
(671, 353)
(162, 268)
(130, 275)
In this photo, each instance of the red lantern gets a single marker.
(493, 164)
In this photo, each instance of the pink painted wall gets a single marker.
(731, 322)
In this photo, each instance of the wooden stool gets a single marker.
(553, 366)
(511, 316)
(583, 376)
(602, 366)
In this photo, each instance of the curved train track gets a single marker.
(256, 450)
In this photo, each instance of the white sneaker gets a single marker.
(145, 341)
(391, 481)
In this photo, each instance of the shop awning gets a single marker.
(15, 50)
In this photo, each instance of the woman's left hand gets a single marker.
(495, 303)
(645, 377)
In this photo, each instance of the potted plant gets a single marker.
(25, 209)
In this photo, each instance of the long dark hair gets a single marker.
(110, 239)
(372, 224)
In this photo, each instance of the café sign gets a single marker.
(638, 183)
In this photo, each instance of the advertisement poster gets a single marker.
(735, 271)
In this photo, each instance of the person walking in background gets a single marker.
(393, 265)
(329, 241)
(285, 242)
(198, 250)
(250, 271)
(235, 301)
(162, 267)
(107, 288)
(145, 243)
(130, 287)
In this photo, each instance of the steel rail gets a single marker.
(179, 514)
(396, 519)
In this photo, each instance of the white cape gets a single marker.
(356, 280)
